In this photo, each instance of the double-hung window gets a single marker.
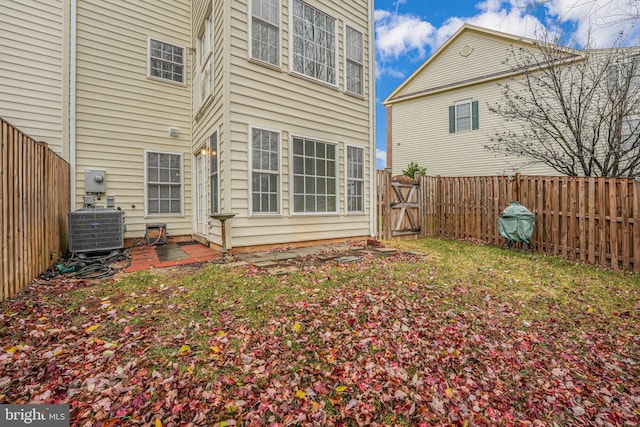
(166, 61)
(354, 63)
(205, 70)
(314, 176)
(463, 116)
(265, 171)
(265, 31)
(313, 43)
(625, 76)
(164, 183)
(355, 179)
(214, 176)
(630, 132)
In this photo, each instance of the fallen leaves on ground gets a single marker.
(385, 341)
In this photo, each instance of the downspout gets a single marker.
(372, 121)
(72, 104)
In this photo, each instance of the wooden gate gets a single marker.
(398, 207)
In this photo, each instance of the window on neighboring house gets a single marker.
(314, 176)
(630, 132)
(625, 74)
(354, 69)
(164, 183)
(205, 70)
(314, 43)
(265, 30)
(463, 116)
(355, 179)
(166, 61)
(265, 171)
(213, 173)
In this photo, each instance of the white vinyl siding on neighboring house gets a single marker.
(164, 183)
(265, 171)
(166, 61)
(354, 62)
(315, 176)
(313, 43)
(355, 179)
(265, 31)
(214, 174)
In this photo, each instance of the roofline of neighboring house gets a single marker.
(469, 27)
(476, 80)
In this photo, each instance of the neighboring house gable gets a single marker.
(440, 115)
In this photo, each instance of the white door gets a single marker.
(202, 208)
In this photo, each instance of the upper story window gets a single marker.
(205, 41)
(314, 43)
(463, 116)
(624, 75)
(205, 70)
(166, 61)
(630, 132)
(354, 53)
(265, 30)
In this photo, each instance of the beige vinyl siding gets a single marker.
(275, 99)
(31, 88)
(421, 134)
(121, 113)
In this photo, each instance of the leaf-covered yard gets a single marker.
(457, 334)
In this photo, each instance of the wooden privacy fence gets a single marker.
(595, 220)
(34, 206)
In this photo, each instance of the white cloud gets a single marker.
(382, 71)
(399, 34)
(512, 21)
(381, 158)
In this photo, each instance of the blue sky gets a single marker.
(409, 31)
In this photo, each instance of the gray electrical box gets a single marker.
(95, 181)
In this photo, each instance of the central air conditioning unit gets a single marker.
(95, 230)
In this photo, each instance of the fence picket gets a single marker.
(34, 204)
(596, 220)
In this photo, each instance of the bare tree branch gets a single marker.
(575, 111)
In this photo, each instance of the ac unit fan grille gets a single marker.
(93, 230)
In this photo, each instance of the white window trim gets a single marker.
(344, 44)
(335, 85)
(346, 180)
(292, 211)
(146, 186)
(250, 38)
(250, 158)
(194, 181)
(184, 62)
(627, 119)
(204, 75)
(462, 102)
